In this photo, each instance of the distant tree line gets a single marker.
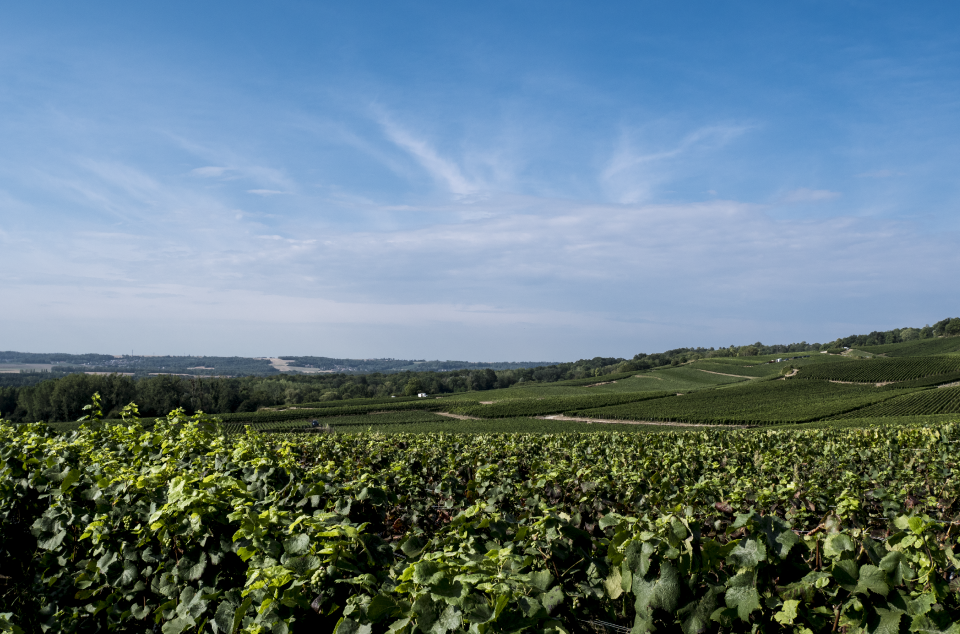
(949, 327)
(53, 397)
(240, 366)
(63, 398)
(368, 366)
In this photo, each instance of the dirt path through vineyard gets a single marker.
(458, 416)
(725, 374)
(613, 421)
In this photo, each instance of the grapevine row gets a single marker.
(882, 370)
(934, 401)
(766, 402)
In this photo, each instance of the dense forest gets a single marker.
(57, 397)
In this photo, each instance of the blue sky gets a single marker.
(511, 181)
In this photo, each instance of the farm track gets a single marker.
(613, 421)
(457, 416)
(881, 384)
(792, 372)
(739, 376)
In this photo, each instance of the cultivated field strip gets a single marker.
(930, 381)
(882, 370)
(933, 401)
(592, 380)
(347, 403)
(759, 403)
(548, 405)
(920, 348)
(270, 416)
(748, 367)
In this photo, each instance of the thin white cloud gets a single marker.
(441, 169)
(265, 192)
(241, 167)
(516, 261)
(631, 175)
(209, 171)
(805, 195)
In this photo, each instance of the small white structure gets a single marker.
(422, 395)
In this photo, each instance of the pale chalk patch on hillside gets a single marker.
(283, 365)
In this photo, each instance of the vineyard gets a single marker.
(755, 403)
(936, 401)
(930, 381)
(356, 401)
(519, 424)
(918, 348)
(547, 405)
(185, 529)
(881, 370)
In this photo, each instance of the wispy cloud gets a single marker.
(230, 164)
(441, 169)
(631, 175)
(209, 171)
(520, 263)
(265, 192)
(805, 195)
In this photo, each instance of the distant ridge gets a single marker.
(234, 366)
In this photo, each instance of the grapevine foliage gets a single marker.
(183, 528)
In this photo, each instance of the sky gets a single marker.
(497, 181)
